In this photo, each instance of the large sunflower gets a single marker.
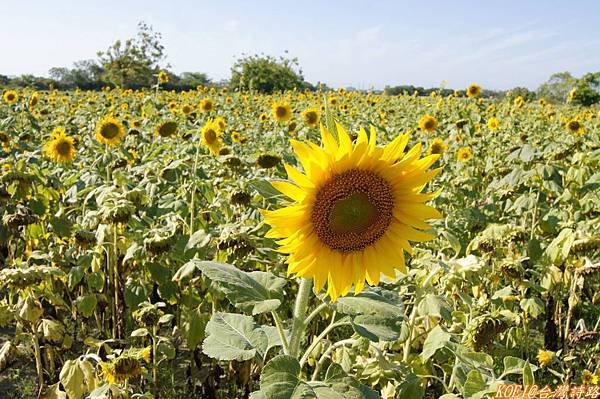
(211, 137)
(282, 112)
(10, 97)
(356, 209)
(60, 148)
(109, 131)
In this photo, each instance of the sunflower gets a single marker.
(332, 100)
(146, 354)
(311, 117)
(220, 121)
(281, 111)
(574, 126)
(206, 105)
(263, 117)
(4, 137)
(109, 131)
(186, 109)
(464, 154)
(437, 146)
(493, 123)
(107, 372)
(10, 97)
(60, 148)
(357, 207)
(542, 102)
(166, 129)
(519, 102)
(473, 90)
(34, 99)
(163, 77)
(545, 357)
(211, 137)
(589, 378)
(428, 123)
(236, 137)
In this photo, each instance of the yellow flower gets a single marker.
(473, 90)
(186, 109)
(166, 129)
(437, 146)
(281, 111)
(311, 117)
(493, 123)
(332, 100)
(34, 100)
(263, 117)
(107, 372)
(356, 208)
(60, 148)
(109, 131)
(206, 105)
(211, 137)
(221, 122)
(10, 97)
(428, 123)
(542, 102)
(146, 354)
(519, 102)
(545, 357)
(464, 154)
(236, 137)
(575, 127)
(163, 77)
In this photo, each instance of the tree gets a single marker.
(557, 88)
(587, 90)
(133, 63)
(266, 74)
(85, 74)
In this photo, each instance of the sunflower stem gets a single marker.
(299, 323)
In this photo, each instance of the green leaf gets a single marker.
(339, 385)
(140, 332)
(558, 250)
(374, 301)
(62, 226)
(231, 336)
(279, 380)
(86, 304)
(475, 386)
(78, 378)
(514, 365)
(528, 378)
(410, 388)
(377, 328)
(198, 240)
(193, 323)
(433, 305)
(256, 292)
(436, 339)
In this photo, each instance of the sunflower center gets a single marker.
(281, 112)
(436, 148)
(63, 148)
(574, 125)
(10, 97)
(109, 131)
(210, 136)
(167, 129)
(429, 124)
(353, 210)
(311, 118)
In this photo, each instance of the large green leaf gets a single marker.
(78, 378)
(376, 328)
(339, 385)
(373, 301)
(193, 324)
(232, 336)
(280, 380)
(255, 292)
(436, 339)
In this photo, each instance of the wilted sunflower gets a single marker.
(211, 137)
(206, 105)
(166, 129)
(428, 123)
(357, 207)
(574, 127)
(473, 90)
(10, 97)
(437, 146)
(281, 111)
(109, 131)
(493, 123)
(311, 117)
(60, 148)
(464, 154)
(163, 77)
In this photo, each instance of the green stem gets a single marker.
(299, 323)
(154, 362)
(321, 336)
(349, 341)
(115, 260)
(38, 360)
(192, 200)
(281, 332)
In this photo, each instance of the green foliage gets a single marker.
(266, 74)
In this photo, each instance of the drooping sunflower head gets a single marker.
(493, 123)
(281, 110)
(437, 146)
(166, 129)
(473, 90)
(206, 105)
(60, 148)
(4, 137)
(464, 154)
(311, 117)
(163, 77)
(356, 208)
(109, 131)
(428, 123)
(574, 126)
(211, 137)
(10, 97)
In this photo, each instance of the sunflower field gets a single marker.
(318, 244)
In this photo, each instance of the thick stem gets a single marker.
(115, 261)
(299, 324)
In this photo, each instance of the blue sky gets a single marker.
(499, 44)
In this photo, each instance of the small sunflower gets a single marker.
(60, 148)
(4, 137)
(186, 109)
(220, 121)
(34, 99)
(545, 358)
(10, 97)
(473, 90)
(332, 100)
(263, 117)
(236, 137)
(464, 154)
(281, 111)
(437, 146)
(163, 77)
(166, 129)
(428, 123)
(206, 105)
(356, 208)
(519, 102)
(107, 372)
(311, 117)
(109, 131)
(574, 126)
(493, 123)
(542, 102)
(211, 137)
(146, 354)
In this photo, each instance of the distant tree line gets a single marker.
(136, 62)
